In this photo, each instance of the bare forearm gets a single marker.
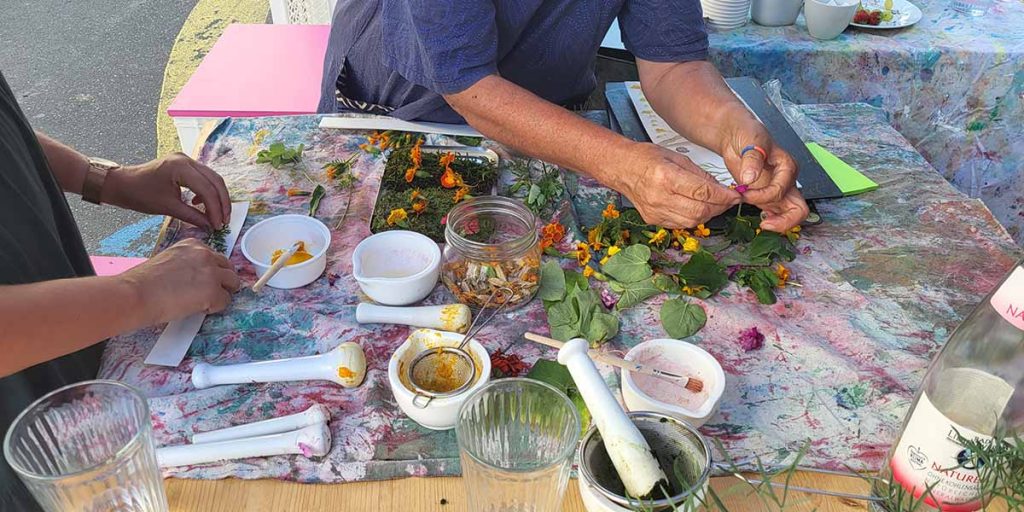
(694, 99)
(45, 320)
(68, 166)
(509, 114)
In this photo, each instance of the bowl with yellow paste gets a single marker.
(270, 239)
(440, 413)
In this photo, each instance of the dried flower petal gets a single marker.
(751, 339)
(608, 299)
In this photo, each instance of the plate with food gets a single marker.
(885, 14)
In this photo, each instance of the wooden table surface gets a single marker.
(447, 495)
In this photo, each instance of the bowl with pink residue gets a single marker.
(646, 393)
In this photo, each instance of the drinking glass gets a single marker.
(88, 447)
(517, 438)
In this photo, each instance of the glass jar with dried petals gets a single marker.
(492, 248)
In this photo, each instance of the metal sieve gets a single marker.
(434, 370)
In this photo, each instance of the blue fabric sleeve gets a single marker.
(443, 45)
(664, 30)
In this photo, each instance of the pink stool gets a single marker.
(252, 71)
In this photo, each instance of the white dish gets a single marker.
(826, 20)
(396, 268)
(904, 14)
(703, 362)
(440, 413)
(775, 13)
(277, 233)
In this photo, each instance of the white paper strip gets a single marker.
(390, 123)
(173, 343)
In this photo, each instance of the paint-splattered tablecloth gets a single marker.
(884, 278)
(951, 84)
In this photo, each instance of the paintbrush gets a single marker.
(691, 383)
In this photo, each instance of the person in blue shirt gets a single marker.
(509, 67)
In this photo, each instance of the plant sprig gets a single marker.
(278, 155)
(536, 193)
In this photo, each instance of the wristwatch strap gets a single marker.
(92, 188)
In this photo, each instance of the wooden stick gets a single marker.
(691, 383)
(276, 267)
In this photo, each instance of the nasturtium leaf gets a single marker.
(564, 320)
(703, 270)
(666, 283)
(616, 286)
(552, 281)
(740, 229)
(769, 244)
(635, 293)
(681, 319)
(575, 280)
(630, 264)
(762, 281)
(603, 326)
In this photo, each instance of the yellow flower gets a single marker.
(460, 194)
(582, 254)
(701, 232)
(604, 261)
(691, 245)
(783, 274)
(794, 233)
(692, 290)
(659, 237)
(757, 231)
(610, 212)
(613, 250)
(397, 216)
(588, 271)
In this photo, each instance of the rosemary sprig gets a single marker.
(217, 239)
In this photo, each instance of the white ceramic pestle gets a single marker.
(345, 365)
(312, 416)
(626, 446)
(310, 441)
(448, 317)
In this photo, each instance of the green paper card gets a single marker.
(849, 180)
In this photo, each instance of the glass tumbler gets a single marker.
(88, 447)
(517, 439)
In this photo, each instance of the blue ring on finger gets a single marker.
(753, 147)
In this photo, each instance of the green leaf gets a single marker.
(740, 229)
(531, 198)
(703, 270)
(741, 256)
(551, 372)
(314, 200)
(563, 320)
(575, 280)
(603, 327)
(768, 244)
(762, 281)
(552, 282)
(630, 264)
(681, 319)
(635, 293)
(666, 283)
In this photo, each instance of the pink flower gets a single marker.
(751, 339)
(608, 299)
(742, 188)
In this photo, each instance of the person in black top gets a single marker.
(53, 311)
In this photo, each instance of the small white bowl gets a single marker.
(826, 20)
(440, 413)
(775, 13)
(267, 236)
(703, 363)
(397, 268)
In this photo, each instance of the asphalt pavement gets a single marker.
(88, 73)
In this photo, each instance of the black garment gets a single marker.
(39, 241)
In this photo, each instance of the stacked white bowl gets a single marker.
(726, 14)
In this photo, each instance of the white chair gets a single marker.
(302, 12)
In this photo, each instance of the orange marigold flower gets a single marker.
(594, 238)
(419, 206)
(588, 271)
(551, 234)
(447, 159)
(397, 216)
(582, 254)
(783, 274)
(450, 178)
(610, 212)
(410, 174)
(415, 195)
(461, 193)
(701, 232)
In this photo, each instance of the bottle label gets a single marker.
(1009, 298)
(928, 455)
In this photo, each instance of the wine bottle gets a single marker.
(973, 389)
